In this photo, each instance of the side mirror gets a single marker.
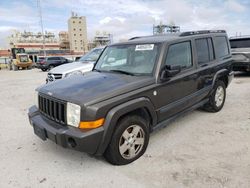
(169, 71)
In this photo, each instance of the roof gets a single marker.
(240, 37)
(170, 37)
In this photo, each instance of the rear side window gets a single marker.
(240, 43)
(54, 58)
(179, 54)
(204, 48)
(221, 46)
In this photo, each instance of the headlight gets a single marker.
(73, 73)
(73, 114)
(36, 99)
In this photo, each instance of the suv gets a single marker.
(83, 65)
(135, 88)
(241, 53)
(50, 62)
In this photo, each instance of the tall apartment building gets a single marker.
(78, 33)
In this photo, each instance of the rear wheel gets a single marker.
(129, 141)
(217, 98)
(43, 69)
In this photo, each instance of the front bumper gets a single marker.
(241, 66)
(65, 136)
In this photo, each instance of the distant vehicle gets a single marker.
(84, 64)
(240, 47)
(49, 63)
(19, 59)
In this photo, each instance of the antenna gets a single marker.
(41, 23)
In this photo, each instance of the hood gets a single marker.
(94, 87)
(70, 67)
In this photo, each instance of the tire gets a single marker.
(129, 141)
(217, 98)
(14, 67)
(50, 67)
(43, 69)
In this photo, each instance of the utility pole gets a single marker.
(41, 23)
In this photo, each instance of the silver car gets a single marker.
(83, 65)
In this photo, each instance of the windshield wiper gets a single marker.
(97, 70)
(123, 72)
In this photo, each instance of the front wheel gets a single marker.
(217, 98)
(129, 141)
(14, 67)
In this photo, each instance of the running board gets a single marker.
(167, 121)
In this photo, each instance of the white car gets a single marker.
(83, 65)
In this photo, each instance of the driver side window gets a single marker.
(179, 54)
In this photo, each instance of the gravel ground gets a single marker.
(198, 150)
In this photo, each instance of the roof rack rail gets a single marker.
(188, 33)
(134, 38)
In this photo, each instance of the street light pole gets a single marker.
(41, 22)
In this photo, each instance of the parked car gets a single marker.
(50, 62)
(135, 88)
(83, 65)
(240, 47)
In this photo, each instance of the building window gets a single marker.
(74, 29)
(74, 34)
(80, 29)
(80, 22)
(75, 48)
(75, 40)
(73, 21)
(81, 47)
(80, 35)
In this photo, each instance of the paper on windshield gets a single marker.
(142, 47)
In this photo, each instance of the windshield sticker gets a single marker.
(144, 47)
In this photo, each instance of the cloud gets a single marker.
(235, 6)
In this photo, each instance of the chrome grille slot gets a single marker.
(52, 108)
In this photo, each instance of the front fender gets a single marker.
(115, 113)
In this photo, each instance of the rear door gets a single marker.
(206, 61)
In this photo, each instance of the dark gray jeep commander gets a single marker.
(134, 88)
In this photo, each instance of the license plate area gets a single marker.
(40, 132)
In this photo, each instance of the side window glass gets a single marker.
(202, 50)
(221, 46)
(179, 54)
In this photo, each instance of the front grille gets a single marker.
(53, 77)
(52, 108)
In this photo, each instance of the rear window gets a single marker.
(240, 43)
(221, 46)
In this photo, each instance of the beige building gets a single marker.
(78, 33)
(64, 40)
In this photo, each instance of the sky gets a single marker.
(125, 18)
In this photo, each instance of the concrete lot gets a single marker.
(199, 150)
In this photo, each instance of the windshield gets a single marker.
(131, 59)
(24, 58)
(91, 56)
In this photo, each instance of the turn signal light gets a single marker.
(91, 124)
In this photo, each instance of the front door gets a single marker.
(178, 93)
